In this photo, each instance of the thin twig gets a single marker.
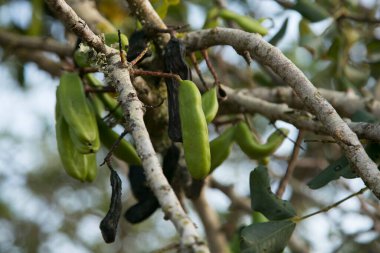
(114, 146)
(138, 58)
(210, 67)
(291, 165)
(286, 136)
(328, 208)
(196, 66)
(140, 72)
(122, 56)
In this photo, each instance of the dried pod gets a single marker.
(174, 59)
(108, 225)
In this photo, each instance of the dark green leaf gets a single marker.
(337, 169)
(310, 10)
(280, 34)
(268, 237)
(341, 167)
(264, 201)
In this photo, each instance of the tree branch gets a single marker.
(345, 104)
(149, 18)
(52, 67)
(215, 237)
(238, 101)
(291, 165)
(272, 57)
(10, 40)
(118, 74)
(87, 10)
(77, 25)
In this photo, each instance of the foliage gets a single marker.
(337, 47)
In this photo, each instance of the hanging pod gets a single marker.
(79, 166)
(194, 130)
(251, 146)
(78, 113)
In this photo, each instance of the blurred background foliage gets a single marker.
(337, 45)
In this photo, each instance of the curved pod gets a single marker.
(251, 146)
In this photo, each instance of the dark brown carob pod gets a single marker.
(108, 225)
(147, 203)
(138, 41)
(174, 59)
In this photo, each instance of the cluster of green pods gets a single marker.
(202, 156)
(76, 129)
(80, 130)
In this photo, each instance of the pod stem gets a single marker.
(210, 67)
(107, 159)
(197, 69)
(286, 136)
(141, 55)
(140, 72)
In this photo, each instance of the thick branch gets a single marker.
(10, 40)
(308, 94)
(87, 10)
(239, 101)
(74, 23)
(149, 18)
(345, 104)
(118, 74)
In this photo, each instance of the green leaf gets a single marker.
(264, 201)
(280, 34)
(341, 167)
(337, 169)
(310, 10)
(268, 237)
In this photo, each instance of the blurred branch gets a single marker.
(239, 206)
(87, 10)
(346, 104)
(238, 101)
(361, 19)
(52, 67)
(216, 239)
(291, 165)
(12, 41)
(77, 25)
(236, 201)
(118, 74)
